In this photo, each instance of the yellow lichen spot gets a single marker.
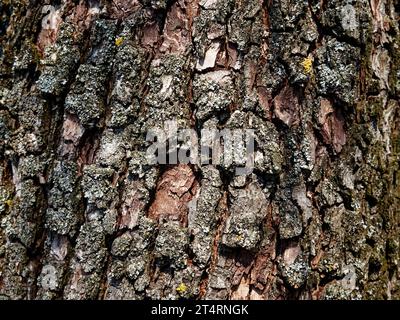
(9, 203)
(119, 41)
(181, 288)
(307, 64)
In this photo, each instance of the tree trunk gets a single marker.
(84, 216)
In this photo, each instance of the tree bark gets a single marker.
(83, 216)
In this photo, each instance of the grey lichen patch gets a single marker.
(347, 18)
(186, 283)
(18, 228)
(134, 199)
(120, 290)
(32, 115)
(15, 272)
(82, 285)
(316, 80)
(328, 194)
(5, 130)
(291, 51)
(285, 15)
(337, 221)
(121, 245)
(133, 249)
(219, 279)
(142, 282)
(331, 263)
(123, 114)
(336, 70)
(203, 214)
(117, 270)
(63, 213)
(102, 38)
(147, 231)
(59, 62)
(112, 149)
(268, 158)
(167, 88)
(24, 215)
(86, 96)
(27, 203)
(299, 195)
(127, 82)
(26, 58)
(155, 4)
(301, 144)
(135, 267)
(110, 221)
(27, 142)
(5, 200)
(138, 166)
(90, 246)
(334, 217)
(356, 229)
(272, 75)
(291, 222)
(64, 176)
(11, 93)
(242, 27)
(349, 281)
(97, 186)
(139, 254)
(247, 211)
(344, 289)
(158, 285)
(295, 273)
(49, 278)
(32, 166)
(171, 245)
(209, 25)
(309, 28)
(213, 93)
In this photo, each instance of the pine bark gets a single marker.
(83, 216)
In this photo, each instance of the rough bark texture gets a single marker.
(84, 217)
